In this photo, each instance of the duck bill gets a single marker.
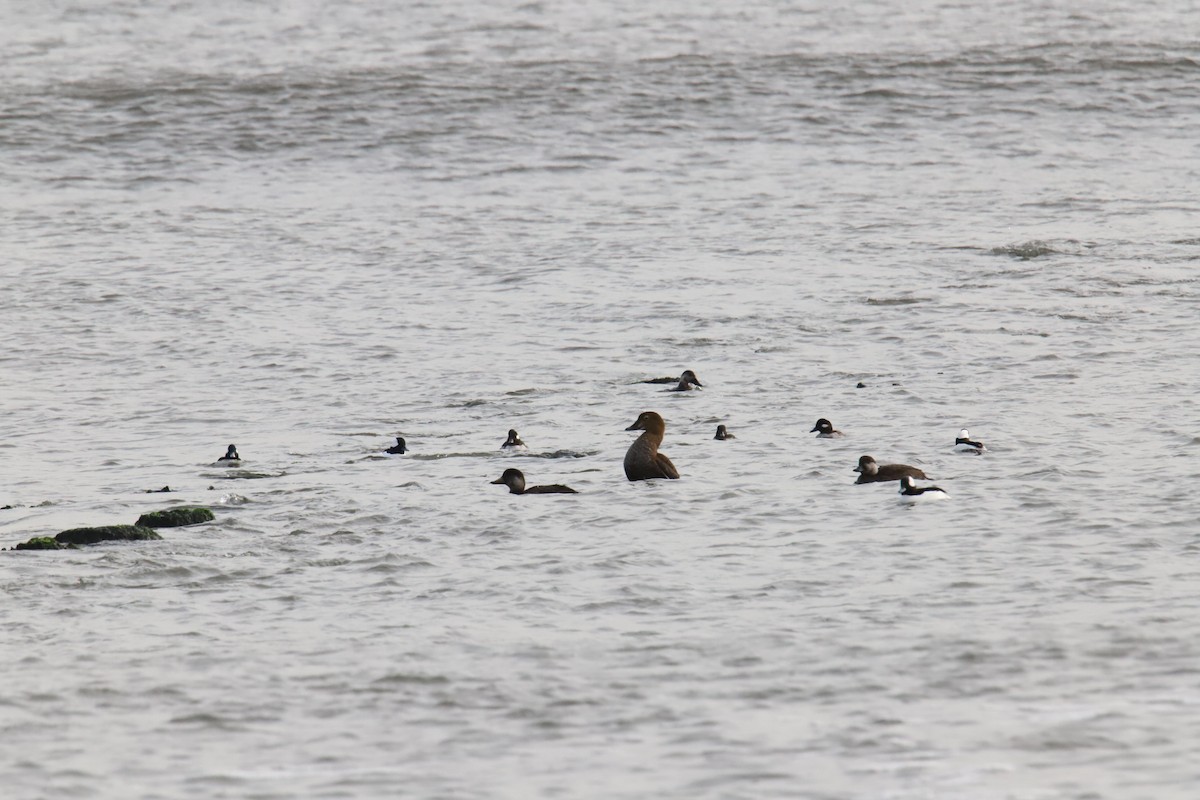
(815, 429)
(634, 427)
(498, 480)
(857, 469)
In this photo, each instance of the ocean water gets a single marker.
(308, 229)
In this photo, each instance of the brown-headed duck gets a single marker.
(963, 444)
(514, 479)
(910, 492)
(879, 473)
(513, 442)
(824, 430)
(642, 460)
(399, 448)
(723, 434)
(231, 454)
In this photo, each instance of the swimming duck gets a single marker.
(399, 448)
(231, 454)
(824, 430)
(668, 379)
(723, 434)
(909, 491)
(514, 479)
(642, 460)
(686, 381)
(878, 473)
(963, 444)
(513, 442)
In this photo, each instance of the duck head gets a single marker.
(649, 421)
(514, 479)
(867, 465)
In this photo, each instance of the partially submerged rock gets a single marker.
(175, 517)
(42, 543)
(106, 533)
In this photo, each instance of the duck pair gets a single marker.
(872, 472)
(643, 462)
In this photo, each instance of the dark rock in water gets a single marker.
(175, 517)
(43, 543)
(106, 533)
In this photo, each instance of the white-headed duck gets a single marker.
(963, 444)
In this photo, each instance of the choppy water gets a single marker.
(308, 230)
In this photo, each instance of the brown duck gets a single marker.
(643, 462)
(514, 479)
(878, 473)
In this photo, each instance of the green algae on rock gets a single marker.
(175, 517)
(106, 533)
(42, 543)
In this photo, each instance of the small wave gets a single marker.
(896, 301)
(1025, 250)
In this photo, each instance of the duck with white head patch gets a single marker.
(964, 444)
(824, 430)
(513, 442)
(231, 454)
(686, 381)
(910, 492)
(723, 433)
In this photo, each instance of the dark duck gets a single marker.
(643, 462)
(514, 479)
(871, 472)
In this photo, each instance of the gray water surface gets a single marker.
(308, 230)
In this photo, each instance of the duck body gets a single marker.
(871, 472)
(964, 444)
(514, 479)
(397, 449)
(824, 430)
(231, 454)
(723, 434)
(643, 462)
(910, 492)
(513, 442)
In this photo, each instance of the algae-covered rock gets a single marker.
(175, 517)
(106, 533)
(41, 543)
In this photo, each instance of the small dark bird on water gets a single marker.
(231, 454)
(723, 434)
(514, 479)
(399, 448)
(824, 430)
